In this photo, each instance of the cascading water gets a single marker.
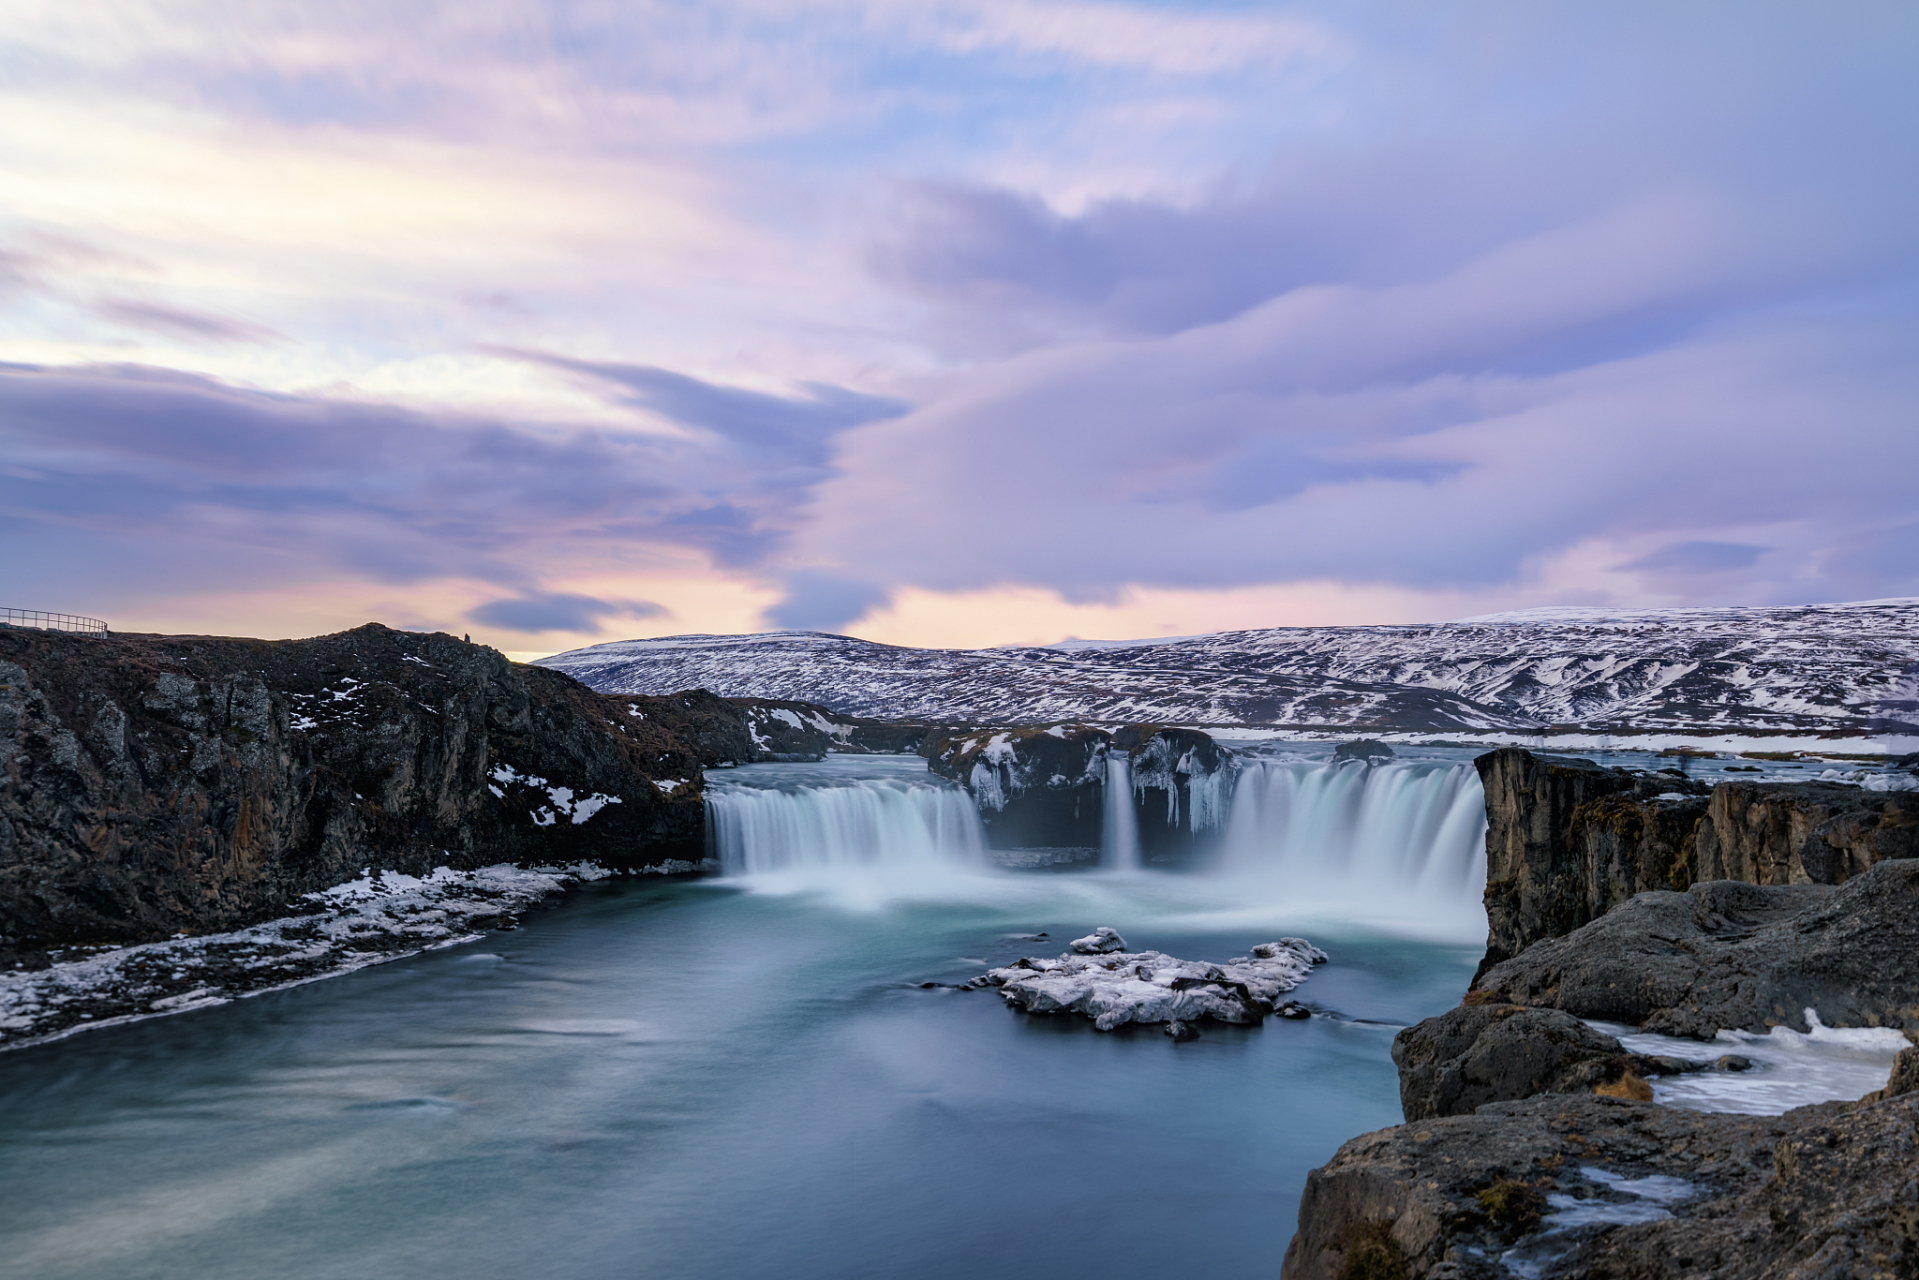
(1119, 823)
(826, 822)
(1400, 843)
(1413, 828)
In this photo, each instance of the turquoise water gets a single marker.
(717, 1080)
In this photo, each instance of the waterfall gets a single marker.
(1409, 828)
(1119, 823)
(864, 823)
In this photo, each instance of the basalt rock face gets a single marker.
(1730, 955)
(1181, 784)
(1816, 1194)
(1556, 855)
(1802, 833)
(1041, 787)
(154, 784)
(1034, 787)
(1567, 840)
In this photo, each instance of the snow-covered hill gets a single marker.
(1800, 669)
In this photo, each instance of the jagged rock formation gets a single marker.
(1044, 786)
(1828, 669)
(1510, 1163)
(1567, 840)
(152, 784)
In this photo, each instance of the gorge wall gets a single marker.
(1568, 840)
(158, 784)
(1534, 1147)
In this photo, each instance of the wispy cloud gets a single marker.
(551, 312)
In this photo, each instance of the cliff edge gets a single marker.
(151, 785)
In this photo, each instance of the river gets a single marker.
(743, 1076)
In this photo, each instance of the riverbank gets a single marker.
(371, 920)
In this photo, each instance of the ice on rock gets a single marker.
(1114, 987)
(1099, 941)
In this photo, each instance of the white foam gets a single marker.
(1790, 1068)
(1555, 1240)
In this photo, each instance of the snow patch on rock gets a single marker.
(378, 916)
(1117, 987)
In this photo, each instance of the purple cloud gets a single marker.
(179, 322)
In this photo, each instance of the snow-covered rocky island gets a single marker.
(1100, 979)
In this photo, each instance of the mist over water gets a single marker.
(744, 1075)
(1399, 845)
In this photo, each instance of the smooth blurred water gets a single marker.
(732, 1078)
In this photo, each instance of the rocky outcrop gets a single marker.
(1532, 1146)
(1802, 833)
(712, 727)
(1496, 1052)
(1567, 840)
(153, 784)
(1560, 1186)
(1731, 955)
(1540, 881)
(1112, 986)
(733, 731)
(1045, 786)
(1365, 750)
(1182, 783)
(1035, 787)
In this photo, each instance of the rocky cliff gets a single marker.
(1567, 840)
(1534, 1147)
(156, 784)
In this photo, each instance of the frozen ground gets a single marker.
(1736, 675)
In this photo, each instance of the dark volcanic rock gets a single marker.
(1045, 786)
(1567, 841)
(713, 727)
(1475, 1054)
(1829, 1191)
(1366, 751)
(1730, 955)
(1801, 833)
(1036, 787)
(153, 784)
(1540, 883)
(1181, 781)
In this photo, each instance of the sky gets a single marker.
(951, 322)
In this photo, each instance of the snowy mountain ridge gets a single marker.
(1843, 669)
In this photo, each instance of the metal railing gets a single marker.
(52, 621)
